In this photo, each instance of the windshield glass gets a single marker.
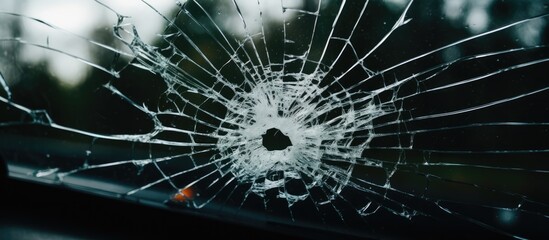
(370, 117)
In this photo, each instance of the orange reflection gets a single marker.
(183, 195)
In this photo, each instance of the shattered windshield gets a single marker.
(365, 116)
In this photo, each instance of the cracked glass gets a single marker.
(370, 117)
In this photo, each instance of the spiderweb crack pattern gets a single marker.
(378, 125)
